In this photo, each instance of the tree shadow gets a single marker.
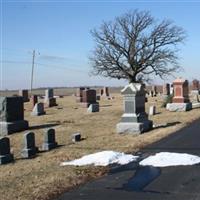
(43, 126)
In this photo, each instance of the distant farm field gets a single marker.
(43, 178)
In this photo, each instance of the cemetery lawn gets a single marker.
(43, 177)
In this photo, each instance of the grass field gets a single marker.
(43, 178)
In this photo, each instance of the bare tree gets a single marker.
(134, 46)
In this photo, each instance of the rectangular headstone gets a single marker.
(89, 97)
(49, 140)
(29, 150)
(49, 93)
(93, 108)
(5, 155)
(11, 109)
(38, 109)
(51, 102)
(12, 115)
(76, 137)
(24, 94)
(152, 110)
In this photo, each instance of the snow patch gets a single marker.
(102, 158)
(166, 159)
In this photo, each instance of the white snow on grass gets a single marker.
(166, 159)
(102, 158)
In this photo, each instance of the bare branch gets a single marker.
(134, 46)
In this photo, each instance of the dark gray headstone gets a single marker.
(93, 108)
(98, 97)
(51, 102)
(24, 94)
(49, 93)
(29, 150)
(12, 115)
(49, 140)
(38, 109)
(11, 109)
(76, 137)
(5, 155)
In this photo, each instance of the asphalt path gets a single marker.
(149, 183)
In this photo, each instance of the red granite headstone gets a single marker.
(181, 91)
(89, 97)
(79, 94)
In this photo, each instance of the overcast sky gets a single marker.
(59, 31)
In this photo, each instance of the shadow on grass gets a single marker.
(43, 126)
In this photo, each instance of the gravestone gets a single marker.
(151, 93)
(5, 155)
(89, 97)
(180, 101)
(98, 97)
(12, 115)
(29, 150)
(106, 92)
(93, 108)
(49, 140)
(76, 137)
(166, 89)
(195, 87)
(34, 100)
(49, 100)
(154, 89)
(38, 109)
(171, 89)
(152, 110)
(49, 93)
(101, 92)
(181, 91)
(134, 120)
(79, 94)
(24, 94)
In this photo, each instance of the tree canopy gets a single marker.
(135, 46)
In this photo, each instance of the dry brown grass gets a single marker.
(43, 178)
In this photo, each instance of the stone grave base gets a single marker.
(195, 105)
(195, 92)
(6, 159)
(7, 128)
(29, 153)
(49, 146)
(134, 127)
(179, 107)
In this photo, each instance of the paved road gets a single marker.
(142, 183)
